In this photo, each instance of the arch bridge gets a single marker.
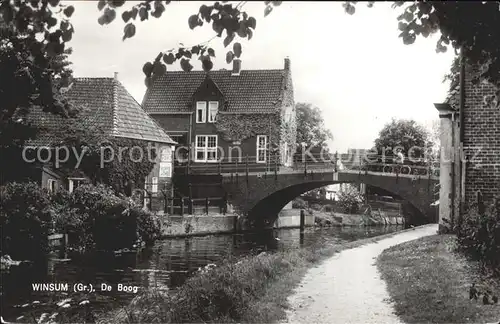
(259, 196)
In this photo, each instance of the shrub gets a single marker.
(299, 203)
(349, 200)
(479, 235)
(316, 207)
(25, 220)
(220, 294)
(95, 217)
(148, 225)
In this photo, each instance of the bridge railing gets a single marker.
(237, 164)
(371, 163)
(200, 206)
(272, 163)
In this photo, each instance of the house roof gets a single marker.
(103, 103)
(252, 91)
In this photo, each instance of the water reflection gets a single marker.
(165, 265)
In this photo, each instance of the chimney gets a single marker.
(116, 76)
(236, 67)
(287, 63)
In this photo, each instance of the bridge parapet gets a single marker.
(272, 164)
(263, 196)
(374, 163)
(416, 172)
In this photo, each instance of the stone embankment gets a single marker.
(339, 219)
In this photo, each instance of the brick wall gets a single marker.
(481, 141)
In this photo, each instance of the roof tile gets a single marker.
(258, 91)
(103, 103)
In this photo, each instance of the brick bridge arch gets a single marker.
(260, 197)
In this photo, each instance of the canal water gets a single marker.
(164, 266)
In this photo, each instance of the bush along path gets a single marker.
(348, 288)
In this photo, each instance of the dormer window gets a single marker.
(201, 110)
(203, 114)
(213, 108)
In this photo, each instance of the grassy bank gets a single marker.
(252, 290)
(429, 283)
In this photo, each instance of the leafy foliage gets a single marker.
(35, 72)
(479, 235)
(95, 217)
(350, 199)
(473, 27)
(238, 127)
(227, 21)
(311, 125)
(312, 133)
(126, 168)
(299, 203)
(216, 294)
(404, 135)
(92, 216)
(454, 74)
(32, 48)
(25, 220)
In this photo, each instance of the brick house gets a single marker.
(480, 175)
(105, 104)
(224, 116)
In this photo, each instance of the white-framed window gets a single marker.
(213, 108)
(154, 184)
(201, 111)
(74, 183)
(206, 148)
(261, 148)
(200, 148)
(51, 185)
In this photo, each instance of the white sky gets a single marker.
(355, 68)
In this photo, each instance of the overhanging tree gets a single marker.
(473, 27)
(30, 60)
(33, 32)
(33, 70)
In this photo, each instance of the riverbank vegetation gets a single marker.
(429, 278)
(93, 217)
(429, 281)
(478, 235)
(253, 290)
(25, 220)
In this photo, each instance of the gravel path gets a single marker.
(347, 288)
